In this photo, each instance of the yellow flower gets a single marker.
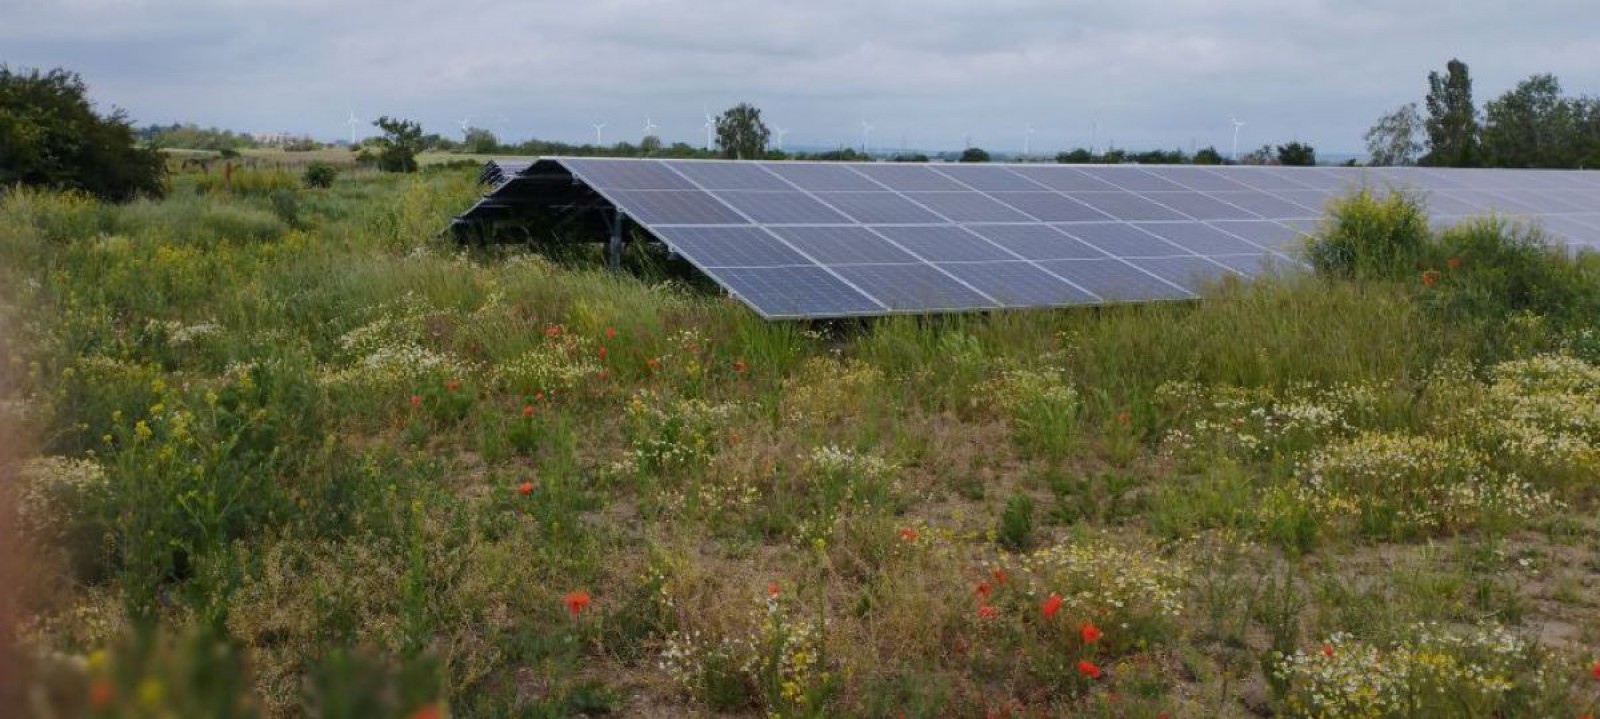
(151, 692)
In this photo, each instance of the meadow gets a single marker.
(287, 451)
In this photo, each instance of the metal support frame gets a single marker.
(616, 220)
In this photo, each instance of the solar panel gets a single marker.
(798, 239)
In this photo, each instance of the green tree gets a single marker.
(399, 145)
(1395, 139)
(1532, 125)
(1208, 155)
(910, 157)
(480, 141)
(50, 136)
(1079, 156)
(974, 154)
(741, 134)
(1264, 155)
(650, 145)
(1452, 123)
(1297, 154)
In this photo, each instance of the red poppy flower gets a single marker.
(1327, 650)
(430, 710)
(773, 589)
(539, 396)
(987, 612)
(1123, 418)
(739, 366)
(604, 375)
(1454, 263)
(1052, 604)
(1595, 670)
(525, 488)
(983, 589)
(653, 364)
(611, 333)
(908, 534)
(602, 353)
(416, 400)
(1430, 277)
(1090, 633)
(1089, 669)
(999, 576)
(552, 331)
(452, 386)
(576, 601)
(101, 693)
(527, 410)
(733, 437)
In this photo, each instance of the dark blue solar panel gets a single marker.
(1037, 242)
(1199, 239)
(822, 176)
(879, 208)
(779, 292)
(1050, 206)
(730, 247)
(675, 207)
(1200, 207)
(1064, 179)
(1270, 235)
(905, 177)
(988, 178)
(944, 243)
(842, 245)
(913, 287)
(1135, 179)
(1018, 284)
(1196, 178)
(966, 207)
(728, 175)
(1122, 240)
(1126, 206)
(1191, 273)
(1268, 206)
(1114, 280)
(626, 175)
(778, 208)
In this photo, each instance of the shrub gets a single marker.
(320, 174)
(1041, 407)
(1016, 523)
(50, 136)
(1371, 237)
(1490, 269)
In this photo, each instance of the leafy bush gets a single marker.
(320, 174)
(1371, 237)
(50, 136)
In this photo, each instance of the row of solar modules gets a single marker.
(826, 239)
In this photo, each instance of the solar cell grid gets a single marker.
(834, 239)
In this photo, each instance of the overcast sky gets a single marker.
(929, 73)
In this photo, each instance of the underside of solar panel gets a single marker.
(819, 240)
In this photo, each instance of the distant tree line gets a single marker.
(189, 136)
(1532, 125)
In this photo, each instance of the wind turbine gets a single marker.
(711, 126)
(780, 132)
(1237, 123)
(353, 123)
(466, 122)
(597, 128)
(649, 126)
(866, 136)
(1027, 138)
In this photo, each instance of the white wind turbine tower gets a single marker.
(465, 123)
(597, 128)
(353, 123)
(1027, 139)
(866, 136)
(779, 132)
(649, 127)
(711, 126)
(1237, 123)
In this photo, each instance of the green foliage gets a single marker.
(741, 135)
(320, 175)
(1208, 155)
(193, 137)
(399, 145)
(1396, 138)
(1297, 154)
(1534, 125)
(50, 136)
(1015, 531)
(1452, 123)
(480, 141)
(974, 154)
(1079, 156)
(1371, 237)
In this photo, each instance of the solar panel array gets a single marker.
(797, 239)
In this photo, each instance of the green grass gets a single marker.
(296, 431)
